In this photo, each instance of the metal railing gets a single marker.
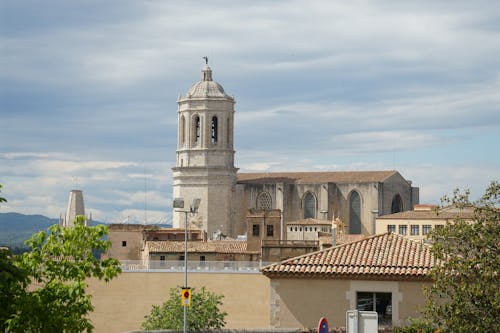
(175, 266)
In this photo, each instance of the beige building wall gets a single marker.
(121, 304)
(126, 241)
(302, 302)
(383, 226)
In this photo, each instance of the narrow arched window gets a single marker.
(354, 213)
(228, 129)
(197, 129)
(309, 206)
(213, 130)
(397, 204)
(264, 201)
(182, 130)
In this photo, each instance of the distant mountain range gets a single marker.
(16, 228)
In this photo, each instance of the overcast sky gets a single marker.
(88, 94)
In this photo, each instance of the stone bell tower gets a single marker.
(205, 154)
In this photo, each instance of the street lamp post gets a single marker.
(193, 209)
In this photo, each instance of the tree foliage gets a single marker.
(57, 266)
(204, 312)
(465, 295)
(1, 198)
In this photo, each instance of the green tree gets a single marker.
(204, 312)
(12, 281)
(465, 295)
(58, 265)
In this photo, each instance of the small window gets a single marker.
(300, 228)
(270, 230)
(256, 230)
(415, 230)
(202, 258)
(181, 257)
(124, 243)
(391, 228)
(379, 302)
(426, 228)
(403, 229)
(296, 229)
(162, 258)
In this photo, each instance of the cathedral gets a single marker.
(205, 169)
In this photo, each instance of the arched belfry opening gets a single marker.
(397, 204)
(354, 213)
(196, 129)
(214, 130)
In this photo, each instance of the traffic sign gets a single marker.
(186, 296)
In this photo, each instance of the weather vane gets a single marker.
(206, 60)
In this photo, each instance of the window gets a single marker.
(124, 243)
(213, 130)
(181, 257)
(438, 226)
(162, 258)
(397, 204)
(426, 228)
(391, 228)
(270, 230)
(355, 213)
(414, 230)
(264, 201)
(296, 228)
(403, 229)
(202, 258)
(309, 206)
(197, 129)
(255, 230)
(379, 302)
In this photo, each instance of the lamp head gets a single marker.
(195, 205)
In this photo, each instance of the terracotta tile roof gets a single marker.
(382, 257)
(340, 239)
(310, 221)
(316, 177)
(200, 247)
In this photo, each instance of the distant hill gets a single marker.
(16, 228)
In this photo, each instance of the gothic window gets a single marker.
(264, 201)
(213, 130)
(197, 129)
(182, 130)
(397, 204)
(354, 213)
(309, 206)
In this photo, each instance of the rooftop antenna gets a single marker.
(145, 197)
(75, 181)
